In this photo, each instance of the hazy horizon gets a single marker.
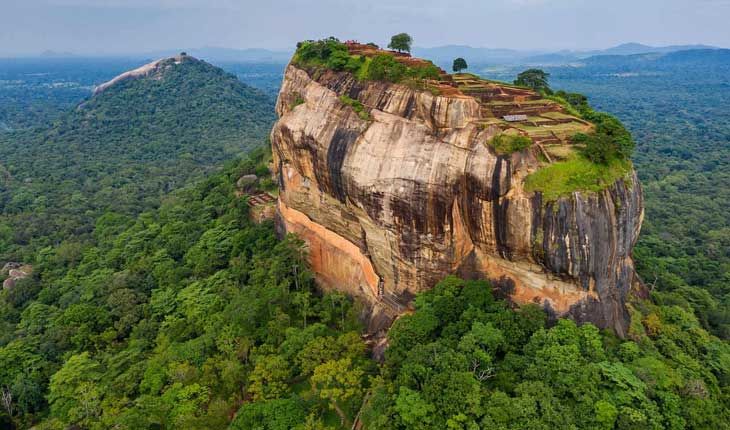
(119, 27)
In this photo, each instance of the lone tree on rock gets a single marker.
(459, 65)
(401, 42)
(535, 79)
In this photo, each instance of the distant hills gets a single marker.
(705, 57)
(443, 55)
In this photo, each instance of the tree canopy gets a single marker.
(535, 79)
(401, 42)
(459, 65)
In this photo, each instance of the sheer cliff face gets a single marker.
(392, 201)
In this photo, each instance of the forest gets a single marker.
(156, 303)
(190, 315)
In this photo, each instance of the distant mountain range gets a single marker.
(443, 55)
(678, 58)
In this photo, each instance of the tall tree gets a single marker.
(535, 79)
(401, 42)
(459, 65)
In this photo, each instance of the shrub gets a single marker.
(424, 72)
(384, 67)
(354, 63)
(321, 51)
(575, 100)
(358, 107)
(610, 140)
(507, 143)
(297, 101)
(338, 60)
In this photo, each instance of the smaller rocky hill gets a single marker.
(140, 135)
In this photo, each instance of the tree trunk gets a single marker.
(341, 414)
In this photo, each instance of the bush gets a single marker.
(334, 55)
(321, 52)
(338, 60)
(384, 67)
(358, 107)
(575, 100)
(507, 143)
(424, 72)
(610, 140)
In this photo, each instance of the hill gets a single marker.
(121, 149)
(639, 48)
(444, 55)
(692, 57)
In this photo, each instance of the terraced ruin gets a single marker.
(517, 111)
(520, 111)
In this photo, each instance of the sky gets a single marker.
(109, 27)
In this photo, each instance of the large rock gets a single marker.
(391, 204)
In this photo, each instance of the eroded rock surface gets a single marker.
(391, 204)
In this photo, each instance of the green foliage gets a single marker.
(328, 52)
(466, 360)
(401, 42)
(459, 65)
(385, 68)
(178, 317)
(508, 143)
(358, 107)
(534, 79)
(610, 139)
(279, 414)
(332, 54)
(562, 178)
(298, 100)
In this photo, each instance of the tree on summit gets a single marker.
(401, 42)
(535, 79)
(459, 65)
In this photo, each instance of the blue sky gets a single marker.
(126, 26)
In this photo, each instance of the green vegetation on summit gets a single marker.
(334, 55)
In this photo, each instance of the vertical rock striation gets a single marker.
(391, 204)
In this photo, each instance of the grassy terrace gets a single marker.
(577, 173)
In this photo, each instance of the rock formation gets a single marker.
(154, 68)
(391, 202)
(12, 272)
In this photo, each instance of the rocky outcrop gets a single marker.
(391, 202)
(12, 272)
(150, 69)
